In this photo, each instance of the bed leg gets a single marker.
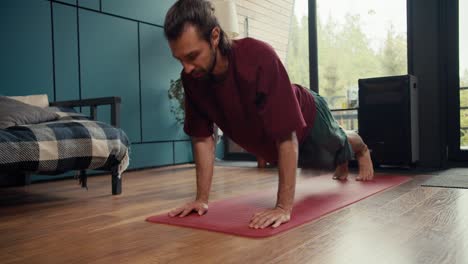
(83, 179)
(116, 181)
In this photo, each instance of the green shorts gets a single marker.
(326, 145)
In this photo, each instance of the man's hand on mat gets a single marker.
(200, 207)
(271, 217)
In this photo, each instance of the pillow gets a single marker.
(39, 100)
(13, 113)
(66, 113)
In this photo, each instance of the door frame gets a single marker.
(449, 45)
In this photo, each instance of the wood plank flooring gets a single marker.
(58, 222)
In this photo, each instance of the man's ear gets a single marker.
(215, 35)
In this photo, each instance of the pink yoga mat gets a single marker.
(314, 198)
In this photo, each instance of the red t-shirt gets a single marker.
(254, 104)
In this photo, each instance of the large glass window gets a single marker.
(297, 61)
(358, 39)
(463, 66)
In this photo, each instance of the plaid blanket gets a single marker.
(73, 142)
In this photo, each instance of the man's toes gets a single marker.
(365, 175)
(340, 178)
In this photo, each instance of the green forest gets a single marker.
(464, 113)
(345, 54)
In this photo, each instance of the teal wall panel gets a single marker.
(109, 64)
(92, 4)
(66, 52)
(183, 152)
(157, 69)
(95, 54)
(71, 2)
(26, 48)
(151, 155)
(220, 149)
(149, 11)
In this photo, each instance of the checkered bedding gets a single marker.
(73, 142)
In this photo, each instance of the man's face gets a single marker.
(196, 54)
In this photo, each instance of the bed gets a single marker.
(67, 141)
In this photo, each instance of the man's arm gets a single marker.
(204, 149)
(287, 162)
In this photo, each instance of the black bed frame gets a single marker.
(24, 178)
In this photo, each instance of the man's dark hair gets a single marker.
(199, 13)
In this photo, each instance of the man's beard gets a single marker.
(204, 74)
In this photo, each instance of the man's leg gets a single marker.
(366, 169)
(325, 129)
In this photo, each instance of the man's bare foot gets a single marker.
(341, 172)
(366, 169)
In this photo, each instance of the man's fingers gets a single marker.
(199, 207)
(259, 215)
(255, 220)
(176, 211)
(186, 211)
(282, 220)
(274, 218)
(268, 221)
(261, 222)
(278, 222)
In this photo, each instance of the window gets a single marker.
(297, 60)
(463, 66)
(358, 39)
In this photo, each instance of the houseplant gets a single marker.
(176, 95)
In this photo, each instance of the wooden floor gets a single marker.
(58, 222)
